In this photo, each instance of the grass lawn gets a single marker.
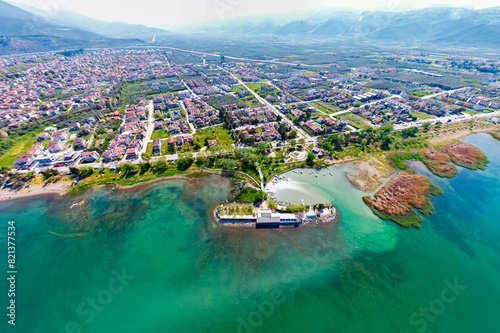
(164, 149)
(325, 107)
(256, 86)
(317, 114)
(421, 93)
(354, 120)
(218, 133)
(319, 107)
(149, 149)
(421, 115)
(8, 157)
(250, 101)
(238, 87)
(161, 134)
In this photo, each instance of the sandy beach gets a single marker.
(57, 188)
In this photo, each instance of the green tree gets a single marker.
(86, 171)
(185, 161)
(74, 171)
(49, 173)
(410, 132)
(128, 167)
(160, 165)
(144, 166)
(310, 159)
(272, 204)
(262, 146)
(228, 164)
(386, 129)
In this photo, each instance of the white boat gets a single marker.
(324, 175)
(331, 174)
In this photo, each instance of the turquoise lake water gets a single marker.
(154, 261)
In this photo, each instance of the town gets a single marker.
(105, 109)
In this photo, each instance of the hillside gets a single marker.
(108, 29)
(24, 32)
(16, 22)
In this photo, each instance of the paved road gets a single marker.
(245, 59)
(150, 128)
(261, 179)
(448, 119)
(338, 113)
(232, 171)
(441, 93)
(276, 111)
(193, 130)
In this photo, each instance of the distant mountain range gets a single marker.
(16, 22)
(449, 26)
(30, 29)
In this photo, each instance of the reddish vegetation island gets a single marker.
(439, 163)
(396, 201)
(466, 155)
(440, 160)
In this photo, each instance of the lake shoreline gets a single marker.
(63, 188)
(58, 189)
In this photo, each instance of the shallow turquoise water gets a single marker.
(155, 262)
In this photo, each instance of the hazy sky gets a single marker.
(174, 12)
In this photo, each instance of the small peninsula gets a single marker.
(396, 201)
(271, 215)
